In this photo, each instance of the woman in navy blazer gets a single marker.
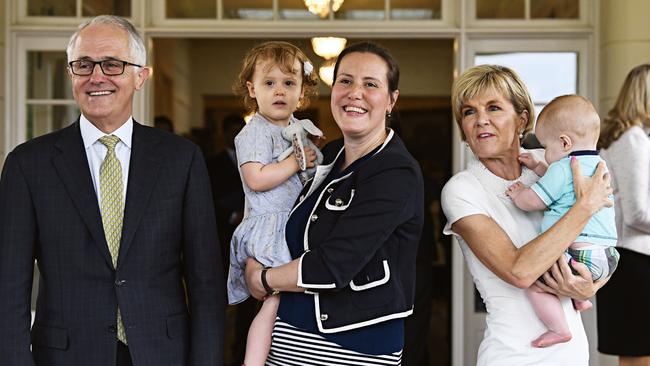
(353, 233)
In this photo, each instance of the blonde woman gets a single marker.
(500, 243)
(623, 325)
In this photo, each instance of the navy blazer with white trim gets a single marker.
(361, 239)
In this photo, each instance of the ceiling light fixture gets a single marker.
(328, 48)
(322, 7)
(326, 71)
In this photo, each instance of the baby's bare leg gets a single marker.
(258, 343)
(549, 310)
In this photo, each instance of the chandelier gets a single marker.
(326, 72)
(327, 48)
(322, 7)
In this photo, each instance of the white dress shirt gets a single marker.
(96, 151)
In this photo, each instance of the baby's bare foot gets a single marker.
(550, 338)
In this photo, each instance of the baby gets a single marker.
(568, 128)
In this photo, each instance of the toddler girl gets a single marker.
(276, 79)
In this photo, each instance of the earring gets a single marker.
(521, 135)
(389, 115)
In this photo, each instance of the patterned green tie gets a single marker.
(112, 208)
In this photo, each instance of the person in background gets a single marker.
(163, 123)
(226, 185)
(623, 318)
(229, 209)
(119, 219)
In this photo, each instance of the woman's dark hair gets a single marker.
(369, 47)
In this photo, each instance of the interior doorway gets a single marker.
(192, 87)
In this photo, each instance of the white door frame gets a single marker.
(17, 96)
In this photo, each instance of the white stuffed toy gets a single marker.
(297, 132)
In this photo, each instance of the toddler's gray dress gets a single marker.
(261, 233)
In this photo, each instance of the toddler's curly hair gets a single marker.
(282, 55)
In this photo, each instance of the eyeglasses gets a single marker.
(109, 67)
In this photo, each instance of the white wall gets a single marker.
(625, 43)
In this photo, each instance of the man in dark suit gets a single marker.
(119, 219)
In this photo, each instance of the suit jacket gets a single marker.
(168, 282)
(361, 238)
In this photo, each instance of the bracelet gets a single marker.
(269, 290)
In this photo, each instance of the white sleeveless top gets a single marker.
(511, 322)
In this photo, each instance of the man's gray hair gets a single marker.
(138, 52)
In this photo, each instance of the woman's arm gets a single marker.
(560, 280)
(522, 266)
(282, 278)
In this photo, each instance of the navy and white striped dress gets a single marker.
(296, 339)
(293, 346)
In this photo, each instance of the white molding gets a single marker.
(17, 101)
(586, 18)
(18, 10)
(50, 102)
(580, 43)
(270, 32)
(458, 267)
(158, 18)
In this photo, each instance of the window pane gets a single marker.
(195, 9)
(295, 9)
(91, 8)
(415, 9)
(546, 74)
(248, 9)
(500, 9)
(58, 8)
(42, 119)
(46, 75)
(361, 10)
(555, 9)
